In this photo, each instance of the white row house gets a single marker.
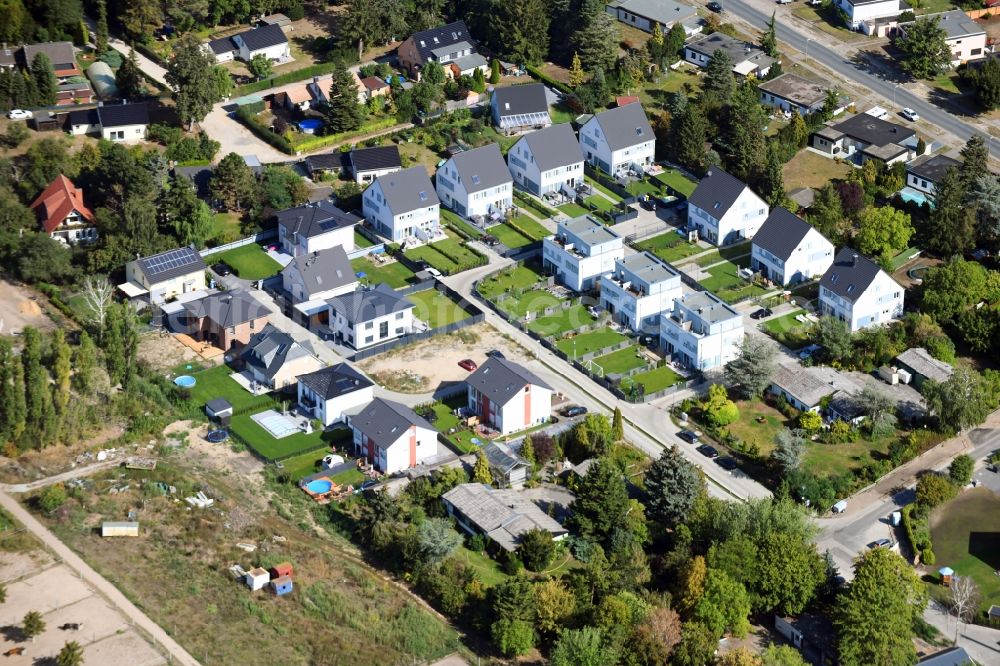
(507, 396)
(476, 183)
(619, 139)
(702, 332)
(403, 205)
(724, 210)
(392, 436)
(581, 251)
(787, 249)
(858, 292)
(549, 160)
(639, 290)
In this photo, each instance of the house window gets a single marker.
(383, 329)
(976, 52)
(368, 340)
(399, 315)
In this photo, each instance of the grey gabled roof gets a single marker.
(554, 146)
(327, 161)
(666, 12)
(222, 45)
(446, 35)
(227, 308)
(850, 274)
(263, 37)
(521, 100)
(408, 190)
(781, 233)
(482, 168)
(717, 191)
(953, 656)
(625, 126)
(503, 515)
(324, 270)
(920, 361)
(170, 264)
(335, 381)
(365, 305)
(270, 349)
(122, 115)
(314, 219)
(499, 379)
(384, 421)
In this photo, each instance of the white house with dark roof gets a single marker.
(925, 173)
(702, 332)
(369, 317)
(314, 227)
(645, 14)
(330, 393)
(502, 516)
(310, 279)
(273, 359)
(864, 15)
(266, 40)
(547, 160)
(747, 58)
(639, 290)
(403, 205)
(618, 140)
(787, 249)
(392, 436)
(867, 136)
(508, 397)
(119, 122)
(724, 210)
(367, 164)
(581, 251)
(791, 92)
(449, 45)
(520, 108)
(856, 291)
(476, 183)
(164, 276)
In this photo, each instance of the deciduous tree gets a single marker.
(724, 605)
(719, 409)
(554, 603)
(924, 48)
(32, 625)
(961, 401)
(985, 81)
(835, 337)
(879, 410)
(192, 78)
(954, 287)
(751, 372)
(260, 66)
(882, 232)
(791, 572)
(581, 647)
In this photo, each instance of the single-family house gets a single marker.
(403, 205)
(639, 290)
(392, 436)
(965, 38)
(267, 40)
(120, 122)
(199, 176)
(375, 87)
(953, 656)
(225, 319)
(547, 160)
(326, 163)
(581, 251)
(165, 276)
(926, 172)
(367, 164)
(865, 15)
(855, 290)
(724, 210)
(791, 92)
(310, 279)
(871, 137)
(449, 45)
(802, 390)
(274, 359)
(476, 183)
(369, 317)
(619, 139)
(508, 397)
(62, 213)
(844, 406)
(62, 55)
(922, 366)
(509, 469)
(645, 14)
(702, 332)
(296, 97)
(330, 393)
(520, 108)
(314, 227)
(74, 93)
(502, 516)
(747, 58)
(787, 249)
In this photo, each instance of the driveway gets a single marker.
(235, 138)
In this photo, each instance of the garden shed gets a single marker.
(257, 578)
(219, 409)
(281, 570)
(281, 586)
(111, 528)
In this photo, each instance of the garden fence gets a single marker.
(270, 234)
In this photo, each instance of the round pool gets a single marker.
(185, 381)
(918, 273)
(216, 436)
(319, 486)
(310, 125)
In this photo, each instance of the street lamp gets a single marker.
(894, 93)
(807, 46)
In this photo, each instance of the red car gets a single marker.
(468, 364)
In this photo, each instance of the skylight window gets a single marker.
(423, 195)
(638, 131)
(833, 278)
(850, 288)
(475, 179)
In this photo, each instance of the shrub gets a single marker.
(810, 421)
(52, 498)
(960, 470)
(251, 122)
(927, 556)
(934, 489)
(537, 549)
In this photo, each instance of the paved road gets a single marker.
(798, 36)
(148, 67)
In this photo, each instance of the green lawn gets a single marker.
(307, 463)
(349, 477)
(448, 255)
(821, 22)
(512, 237)
(589, 342)
(621, 361)
(740, 254)
(216, 383)
(677, 181)
(638, 187)
(534, 301)
(807, 169)
(444, 421)
(754, 431)
(456, 221)
(394, 274)
(904, 256)
(517, 278)
(532, 227)
(436, 308)
(560, 113)
(249, 262)
(562, 322)
(669, 247)
(361, 241)
(263, 443)
(656, 379)
(725, 283)
(573, 210)
(597, 186)
(823, 460)
(947, 82)
(599, 202)
(486, 568)
(786, 330)
(966, 537)
(225, 228)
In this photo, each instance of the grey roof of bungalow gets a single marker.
(806, 387)
(503, 515)
(920, 361)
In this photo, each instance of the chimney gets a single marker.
(854, 259)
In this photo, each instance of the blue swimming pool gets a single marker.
(915, 196)
(185, 381)
(319, 486)
(310, 125)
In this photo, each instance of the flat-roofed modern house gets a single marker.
(370, 316)
(392, 436)
(450, 45)
(367, 164)
(225, 319)
(645, 14)
(925, 173)
(702, 332)
(502, 516)
(866, 15)
(856, 291)
(120, 122)
(787, 249)
(581, 251)
(619, 139)
(62, 213)
(165, 276)
(314, 227)
(724, 210)
(266, 40)
(507, 396)
(639, 290)
(747, 58)
(403, 205)
(966, 38)
(273, 359)
(310, 280)
(476, 183)
(547, 160)
(867, 136)
(330, 393)
(791, 92)
(922, 366)
(520, 108)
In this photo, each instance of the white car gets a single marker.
(909, 114)
(19, 114)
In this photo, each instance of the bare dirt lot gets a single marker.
(423, 366)
(34, 465)
(164, 352)
(20, 307)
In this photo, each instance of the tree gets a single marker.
(782, 655)
(975, 160)
(750, 373)
(596, 40)
(810, 421)
(97, 295)
(672, 486)
(692, 134)
(985, 81)
(827, 212)
(960, 469)
(32, 625)
(746, 144)
(282, 188)
(656, 636)
(71, 654)
(3, 593)
(883, 232)
(789, 446)
(879, 410)
(128, 78)
(481, 472)
(537, 549)
(739, 657)
(343, 113)
(84, 362)
(437, 539)
(192, 78)
(769, 40)
(674, 42)
(495, 71)
(924, 48)
(601, 501)
(580, 647)
(260, 67)
(594, 434)
(951, 228)
(523, 26)
(101, 29)
(697, 646)
(771, 182)
(875, 617)
(554, 603)
(189, 217)
(513, 637)
(961, 401)
(61, 369)
(44, 78)
(934, 489)
(964, 598)
(719, 409)
(576, 74)
(617, 426)
(835, 337)
(233, 183)
(222, 82)
(790, 573)
(691, 585)
(719, 82)
(956, 286)
(724, 605)
(141, 17)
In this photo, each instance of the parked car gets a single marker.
(881, 543)
(761, 313)
(468, 364)
(727, 463)
(575, 410)
(714, 6)
(808, 352)
(648, 202)
(784, 2)
(365, 486)
(688, 436)
(495, 353)
(222, 268)
(910, 114)
(708, 451)
(19, 114)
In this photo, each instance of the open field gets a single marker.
(966, 537)
(670, 247)
(589, 342)
(824, 460)
(20, 307)
(823, 23)
(436, 308)
(807, 169)
(622, 360)
(394, 274)
(249, 262)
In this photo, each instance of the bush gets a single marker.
(934, 489)
(251, 122)
(317, 142)
(545, 78)
(810, 421)
(960, 470)
(537, 549)
(52, 498)
(17, 133)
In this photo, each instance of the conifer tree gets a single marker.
(576, 74)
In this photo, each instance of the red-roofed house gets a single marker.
(63, 214)
(375, 87)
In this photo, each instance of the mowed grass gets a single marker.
(600, 203)
(758, 424)
(361, 241)
(966, 537)
(443, 254)
(785, 323)
(216, 383)
(528, 225)
(457, 222)
(669, 247)
(394, 274)
(534, 301)
(656, 379)
(591, 341)
(307, 463)
(518, 278)
(510, 236)
(597, 186)
(487, 569)
(823, 460)
(725, 282)
(436, 308)
(621, 361)
(678, 181)
(573, 210)
(249, 262)
(261, 441)
(562, 322)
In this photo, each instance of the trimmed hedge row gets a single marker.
(920, 545)
(316, 142)
(534, 204)
(289, 77)
(249, 119)
(545, 78)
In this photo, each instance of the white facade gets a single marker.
(374, 331)
(880, 303)
(581, 251)
(334, 410)
(923, 184)
(301, 245)
(702, 332)
(125, 133)
(294, 284)
(524, 168)
(599, 153)
(74, 229)
(397, 227)
(810, 259)
(531, 406)
(160, 292)
(639, 291)
(468, 201)
(363, 177)
(414, 445)
(861, 11)
(740, 221)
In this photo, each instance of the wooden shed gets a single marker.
(280, 570)
(110, 528)
(281, 586)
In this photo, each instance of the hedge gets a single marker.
(151, 54)
(545, 78)
(532, 203)
(250, 121)
(288, 77)
(921, 546)
(317, 142)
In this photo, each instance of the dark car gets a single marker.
(649, 203)
(222, 268)
(708, 451)
(365, 486)
(688, 436)
(726, 463)
(760, 314)
(576, 410)
(495, 353)
(715, 6)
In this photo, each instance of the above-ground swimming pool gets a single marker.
(185, 381)
(216, 436)
(917, 273)
(310, 125)
(319, 486)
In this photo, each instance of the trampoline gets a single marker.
(277, 424)
(216, 436)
